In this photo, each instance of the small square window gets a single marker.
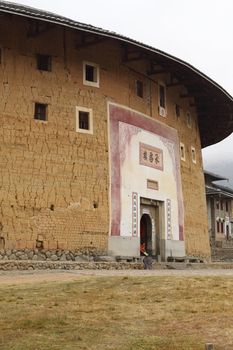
(182, 151)
(44, 62)
(139, 88)
(84, 120)
(91, 74)
(193, 152)
(40, 111)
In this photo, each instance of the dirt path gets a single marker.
(38, 276)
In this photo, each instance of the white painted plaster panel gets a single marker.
(134, 176)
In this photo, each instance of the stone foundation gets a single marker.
(11, 265)
(50, 255)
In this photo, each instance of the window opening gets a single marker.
(40, 111)
(44, 62)
(218, 226)
(90, 74)
(182, 151)
(222, 227)
(84, 120)
(162, 99)
(139, 88)
(193, 151)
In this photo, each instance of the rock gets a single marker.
(23, 257)
(104, 258)
(35, 257)
(54, 257)
(72, 255)
(30, 255)
(48, 254)
(18, 253)
(12, 257)
(41, 257)
(8, 252)
(81, 258)
(63, 257)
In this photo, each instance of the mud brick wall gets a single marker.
(54, 181)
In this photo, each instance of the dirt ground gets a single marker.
(39, 276)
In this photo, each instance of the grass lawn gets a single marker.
(118, 313)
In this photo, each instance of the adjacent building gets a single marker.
(219, 207)
(100, 140)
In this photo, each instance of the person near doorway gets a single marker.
(147, 261)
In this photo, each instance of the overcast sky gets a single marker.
(197, 31)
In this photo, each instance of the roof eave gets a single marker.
(223, 123)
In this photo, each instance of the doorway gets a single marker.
(145, 235)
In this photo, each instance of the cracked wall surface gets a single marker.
(54, 181)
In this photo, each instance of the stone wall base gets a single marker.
(50, 255)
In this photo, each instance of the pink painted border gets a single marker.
(120, 114)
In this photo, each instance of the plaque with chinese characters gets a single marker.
(151, 156)
(153, 185)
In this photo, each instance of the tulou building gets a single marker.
(100, 141)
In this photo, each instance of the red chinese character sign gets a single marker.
(150, 156)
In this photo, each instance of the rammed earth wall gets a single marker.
(54, 181)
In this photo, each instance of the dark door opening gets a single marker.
(145, 234)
